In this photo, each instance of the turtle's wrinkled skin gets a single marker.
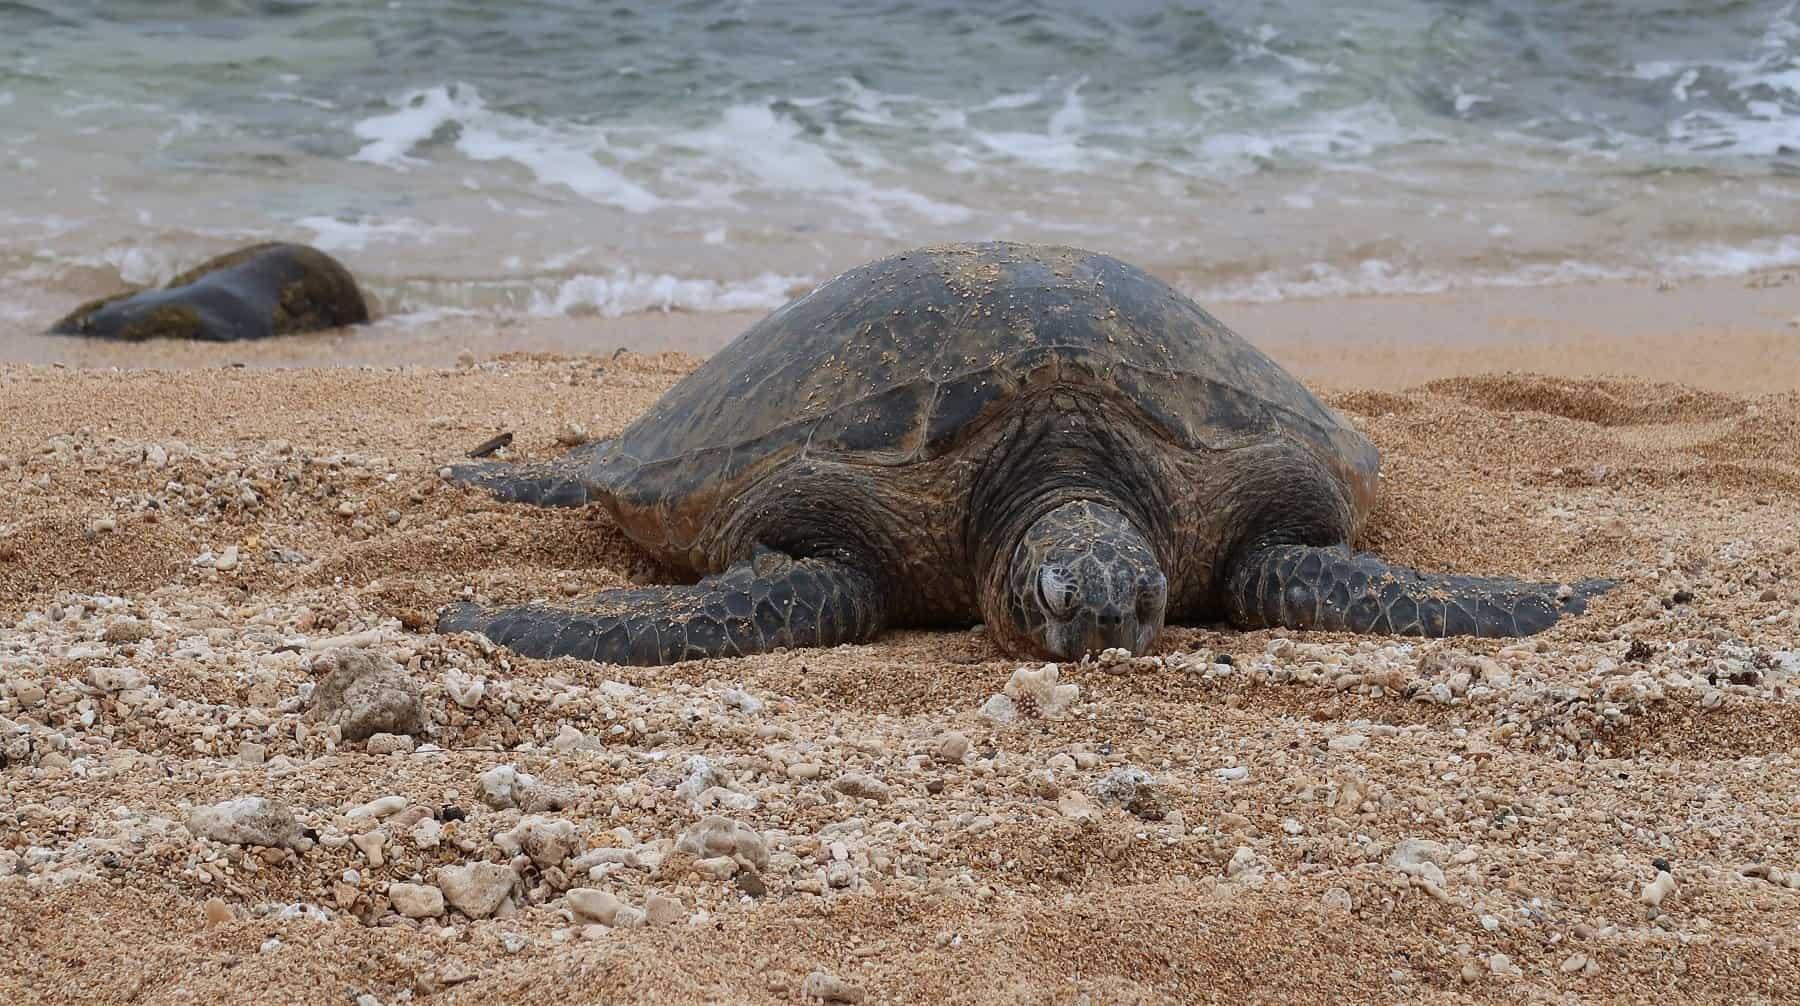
(1044, 439)
(252, 293)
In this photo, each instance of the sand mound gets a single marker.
(1319, 819)
(1605, 403)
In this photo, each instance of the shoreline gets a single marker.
(1735, 333)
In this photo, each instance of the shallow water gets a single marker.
(561, 157)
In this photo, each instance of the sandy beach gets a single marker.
(193, 535)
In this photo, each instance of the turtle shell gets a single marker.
(892, 363)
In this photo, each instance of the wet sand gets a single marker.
(1323, 819)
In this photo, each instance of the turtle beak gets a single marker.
(1109, 628)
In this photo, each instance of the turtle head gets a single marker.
(1083, 579)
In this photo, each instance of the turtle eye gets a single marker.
(1056, 592)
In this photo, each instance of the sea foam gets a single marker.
(566, 155)
(333, 235)
(626, 292)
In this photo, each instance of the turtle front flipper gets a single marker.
(559, 482)
(769, 601)
(1335, 589)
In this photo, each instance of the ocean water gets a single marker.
(565, 157)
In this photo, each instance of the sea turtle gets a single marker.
(1044, 439)
(274, 288)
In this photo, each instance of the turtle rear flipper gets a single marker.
(1335, 589)
(560, 482)
(765, 602)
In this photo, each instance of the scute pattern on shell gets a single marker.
(897, 361)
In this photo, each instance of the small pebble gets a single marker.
(216, 912)
(372, 844)
(663, 910)
(502, 786)
(416, 901)
(1000, 709)
(1336, 899)
(830, 988)
(594, 905)
(863, 786)
(126, 630)
(716, 867)
(571, 434)
(1129, 787)
(381, 807)
(388, 744)
(717, 836)
(476, 889)
(1658, 889)
(950, 747)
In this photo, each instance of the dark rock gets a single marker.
(252, 293)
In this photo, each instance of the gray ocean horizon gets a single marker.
(548, 157)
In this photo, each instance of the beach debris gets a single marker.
(828, 987)
(593, 904)
(364, 694)
(571, 434)
(378, 808)
(126, 630)
(1131, 788)
(863, 786)
(717, 836)
(1789, 879)
(950, 747)
(663, 909)
(249, 820)
(416, 901)
(504, 787)
(117, 679)
(491, 444)
(1657, 891)
(1337, 900)
(1032, 692)
(477, 890)
(741, 701)
(546, 840)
